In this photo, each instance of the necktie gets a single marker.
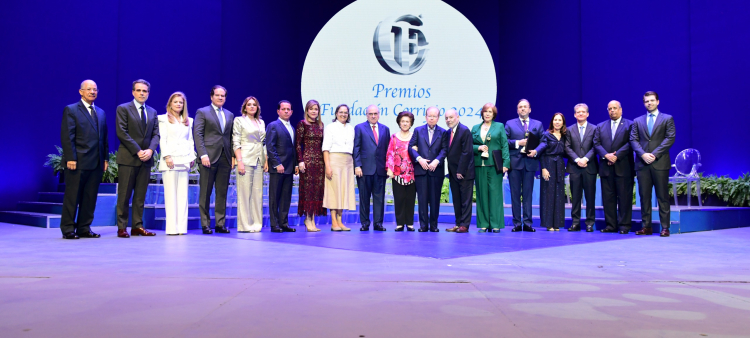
(221, 119)
(430, 131)
(93, 115)
(581, 133)
(375, 133)
(143, 118)
(451, 141)
(525, 126)
(288, 127)
(614, 129)
(650, 123)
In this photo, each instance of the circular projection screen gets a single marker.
(399, 55)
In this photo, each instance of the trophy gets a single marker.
(526, 137)
(486, 153)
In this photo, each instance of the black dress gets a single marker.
(552, 199)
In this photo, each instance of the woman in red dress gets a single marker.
(308, 138)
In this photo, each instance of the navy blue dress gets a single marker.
(552, 199)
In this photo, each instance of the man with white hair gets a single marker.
(84, 141)
(460, 157)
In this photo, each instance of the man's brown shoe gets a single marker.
(141, 232)
(644, 231)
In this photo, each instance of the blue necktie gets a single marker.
(221, 119)
(581, 133)
(650, 123)
(614, 129)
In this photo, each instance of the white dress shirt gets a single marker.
(338, 138)
(222, 118)
(581, 132)
(528, 121)
(288, 128)
(138, 108)
(88, 106)
(613, 126)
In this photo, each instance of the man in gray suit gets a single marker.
(138, 132)
(651, 138)
(212, 133)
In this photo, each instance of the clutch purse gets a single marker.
(497, 157)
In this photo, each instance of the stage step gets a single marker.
(36, 219)
(104, 214)
(104, 188)
(41, 207)
(54, 197)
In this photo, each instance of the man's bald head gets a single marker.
(432, 115)
(451, 118)
(614, 109)
(88, 91)
(373, 114)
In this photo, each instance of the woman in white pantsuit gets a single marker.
(248, 142)
(177, 156)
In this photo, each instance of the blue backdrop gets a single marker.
(555, 54)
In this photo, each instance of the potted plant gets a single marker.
(54, 161)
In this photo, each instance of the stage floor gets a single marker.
(442, 245)
(374, 284)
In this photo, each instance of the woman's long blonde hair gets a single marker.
(183, 113)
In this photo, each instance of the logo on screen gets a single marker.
(400, 44)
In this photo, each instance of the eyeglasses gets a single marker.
(90, 90)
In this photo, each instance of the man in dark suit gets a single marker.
(612, 145)
(427, 149)
(83, 135)
(138, 132)
(371, 141)
(582, 167)
(282, 160)
(651, 138)
(523, 164)
(212, 134)
(460, 157)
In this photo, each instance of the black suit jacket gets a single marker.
(133, 138)
(280, 148)
(658, 143)
(368, 155)
(428, 151)
(460, 152)
(83, 140)
(208, 137)
(603, 144)
(574, 148)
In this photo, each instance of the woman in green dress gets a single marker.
(489, 136)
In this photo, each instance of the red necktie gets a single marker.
(451, 141)
(375, 132)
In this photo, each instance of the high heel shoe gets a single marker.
(314, 226)
(310, 227)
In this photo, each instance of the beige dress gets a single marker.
(338, 140)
